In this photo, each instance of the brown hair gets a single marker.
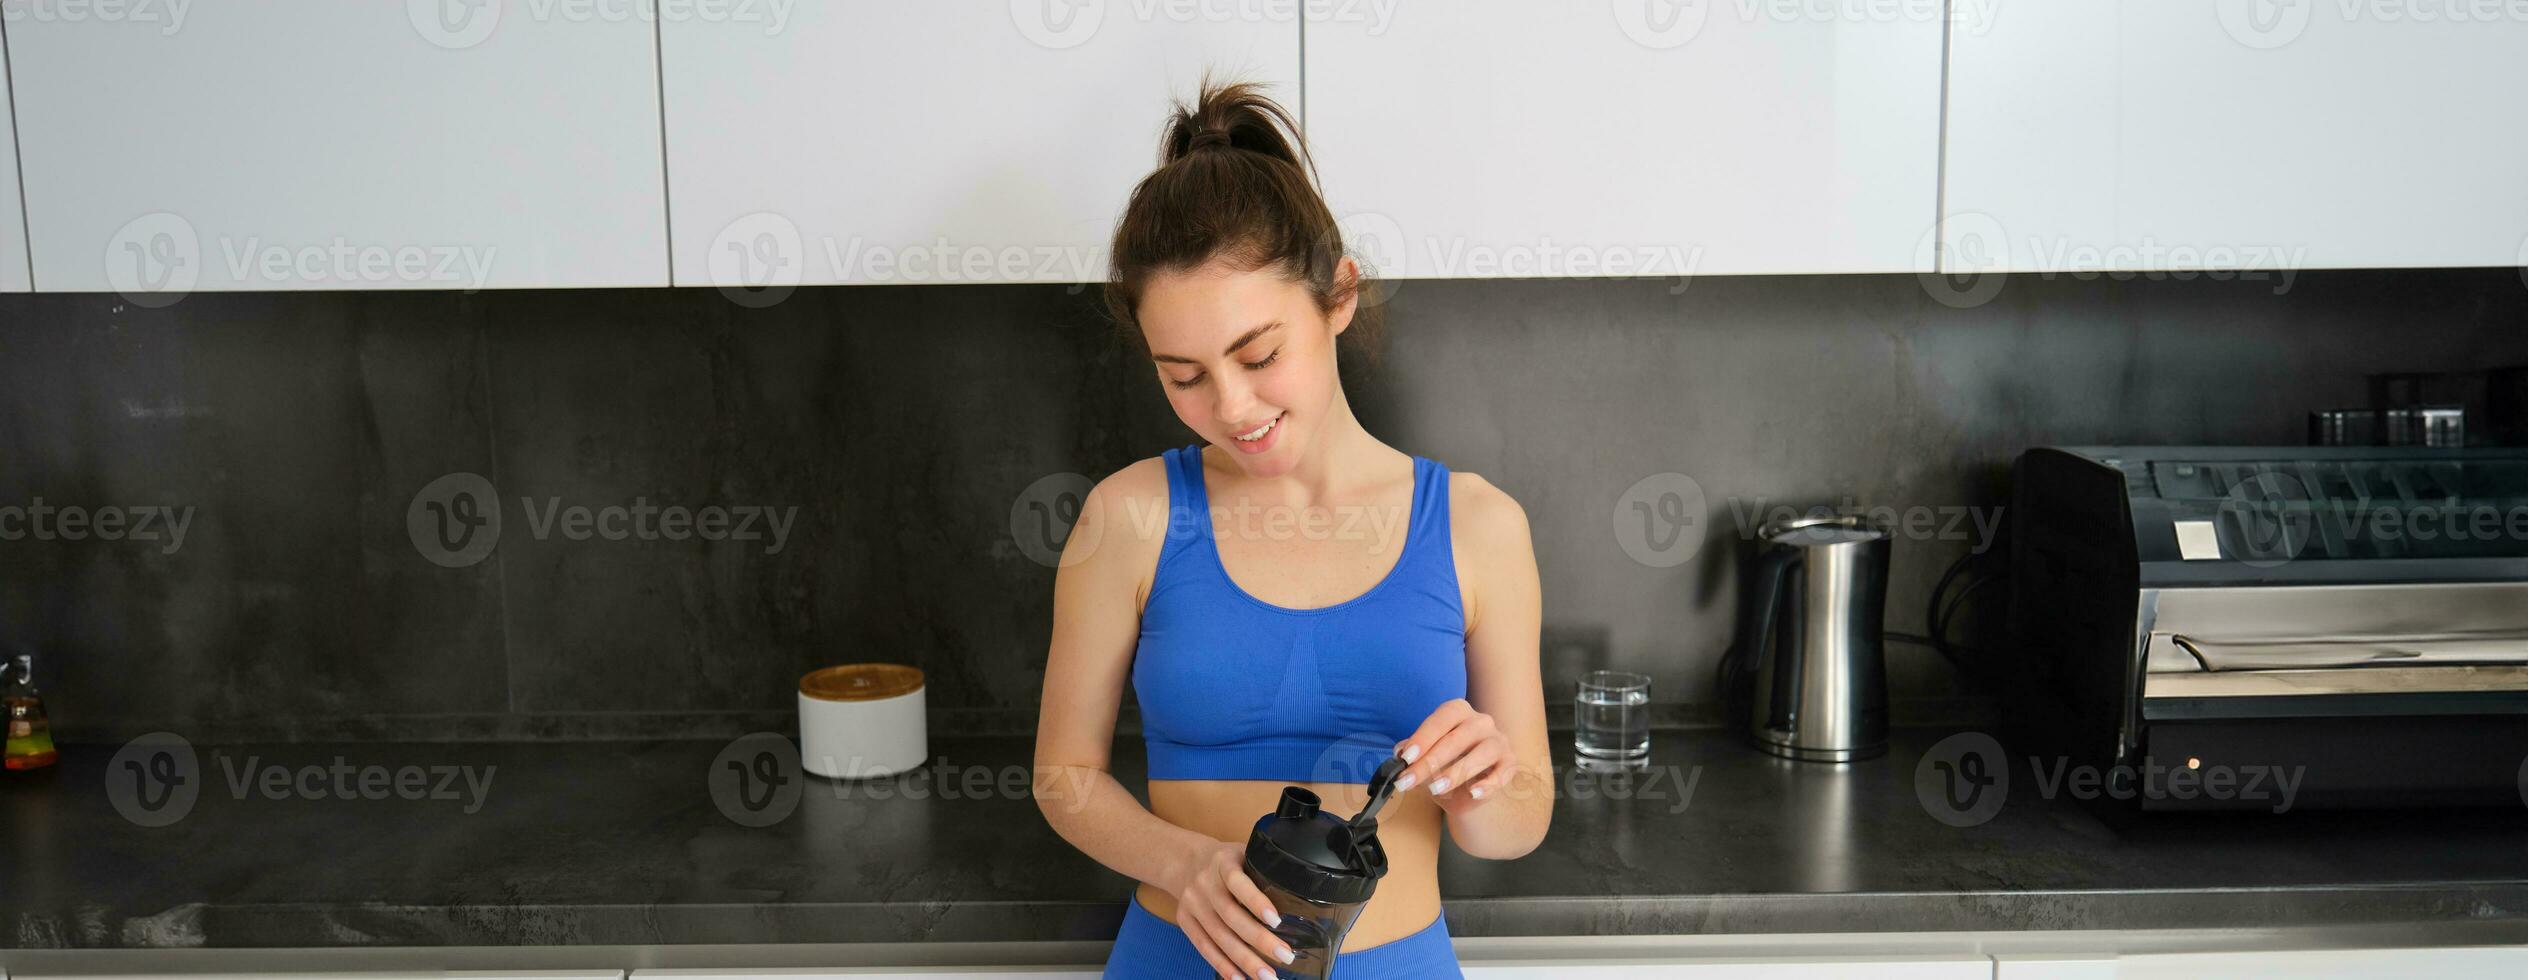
(1235, 182)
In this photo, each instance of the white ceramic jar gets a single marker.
(862, 720)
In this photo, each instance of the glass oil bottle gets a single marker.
(30, 743)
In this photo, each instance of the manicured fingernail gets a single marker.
(1288, 956)
(1411, 752)
(1476, 792)
(1439, 785)
(1404, 782)
(1262, 973)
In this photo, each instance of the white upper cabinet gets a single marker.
(932, 142)
(14, 274)
(1492, 138)
(2099, 135)
(322, 144)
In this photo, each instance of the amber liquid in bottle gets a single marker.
(30, 744)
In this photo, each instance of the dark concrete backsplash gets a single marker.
(880, 458)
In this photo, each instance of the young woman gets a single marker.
(1283, 595)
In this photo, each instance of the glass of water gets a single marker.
(1611, 723)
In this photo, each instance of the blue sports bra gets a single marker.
(1233, 687)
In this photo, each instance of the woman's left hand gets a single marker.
(1459, 755)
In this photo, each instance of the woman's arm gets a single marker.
(1096, 624)
(1097, 597)
(1490, 750)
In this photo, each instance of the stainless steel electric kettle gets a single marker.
(1809, 662)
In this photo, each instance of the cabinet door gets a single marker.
(932, 142)
(2097, 135)
(1492, 138)
(316, 144)
(2451, 963)
(16, 276)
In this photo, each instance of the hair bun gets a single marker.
(1208, 137)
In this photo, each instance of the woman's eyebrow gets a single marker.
(1242, 341)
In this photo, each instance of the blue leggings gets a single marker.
(1150, 948)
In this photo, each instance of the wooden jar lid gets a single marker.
(861, 682)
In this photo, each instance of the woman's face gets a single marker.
(1245, 353)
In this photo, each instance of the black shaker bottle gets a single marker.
(1319, 870)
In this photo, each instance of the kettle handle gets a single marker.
(1759, 612)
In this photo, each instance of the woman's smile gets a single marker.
(1260, 438)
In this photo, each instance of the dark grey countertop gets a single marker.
(622, 843)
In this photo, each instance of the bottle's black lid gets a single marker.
(1318, 856)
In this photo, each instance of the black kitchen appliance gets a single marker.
(2354, 618)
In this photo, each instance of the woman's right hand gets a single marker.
(1226, 915)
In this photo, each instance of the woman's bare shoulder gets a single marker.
(1132, 501)
(1482, 516)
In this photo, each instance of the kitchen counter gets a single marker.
(596, 843)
